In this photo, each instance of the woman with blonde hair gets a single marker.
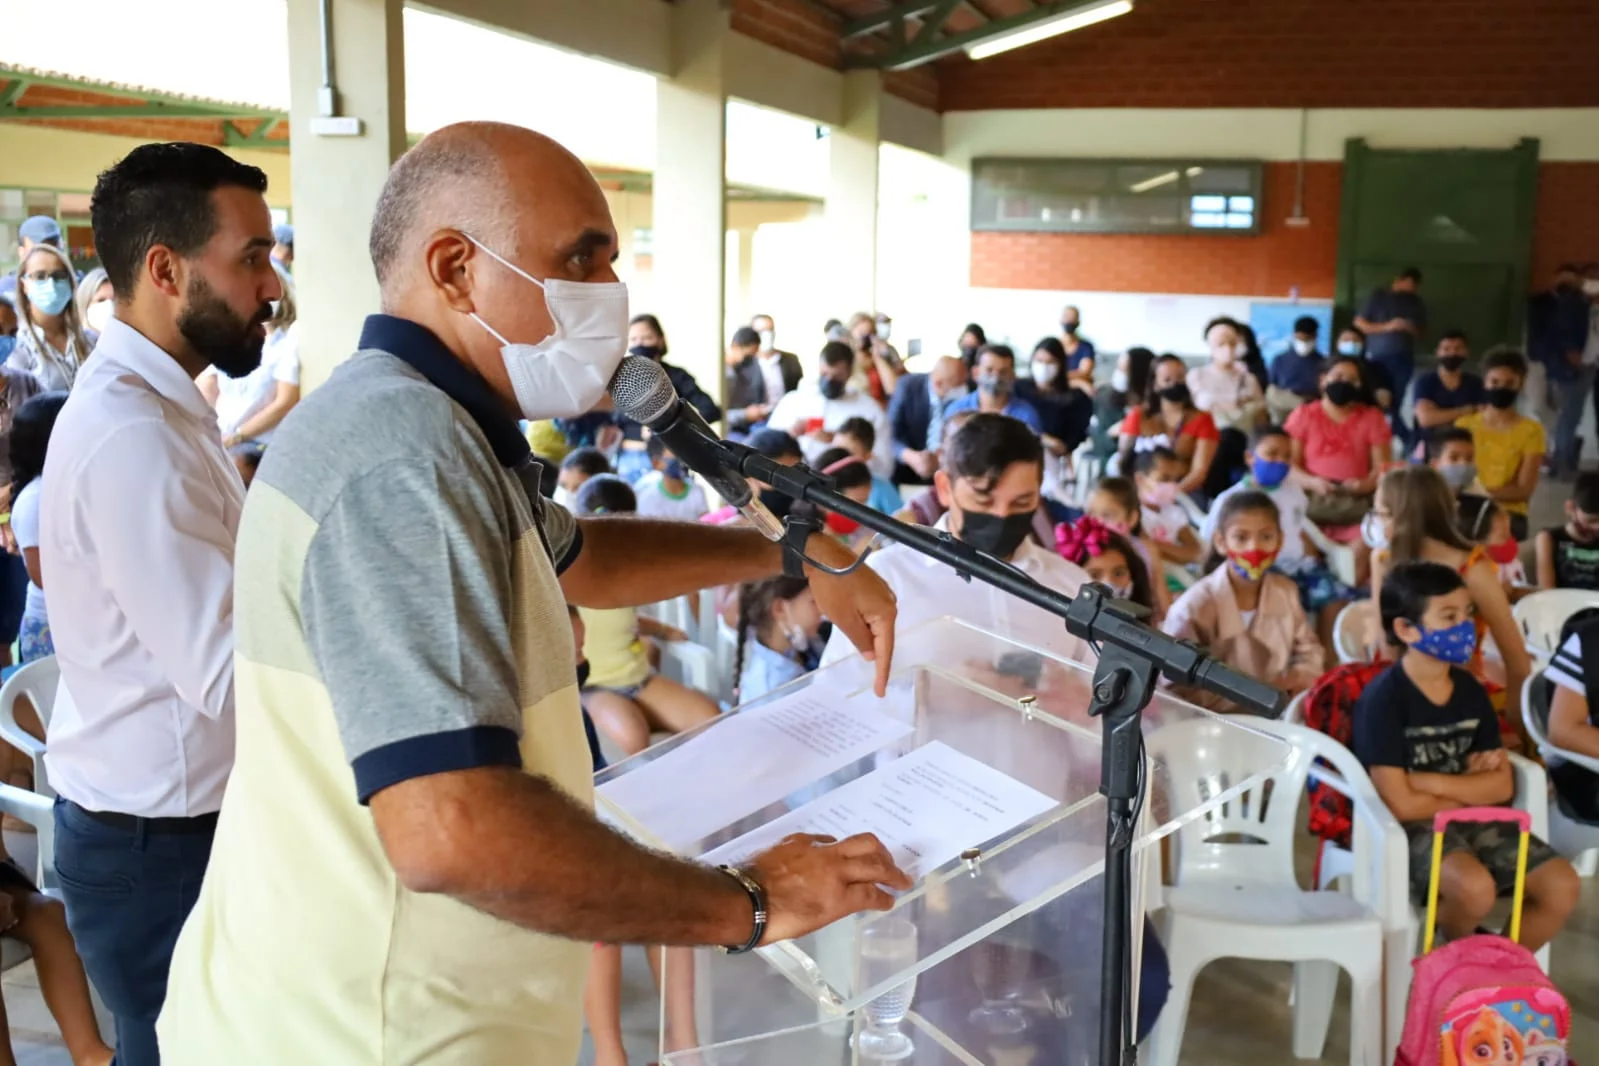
(1415, 512)
(51, 341)
(96, 301)
(250, 408)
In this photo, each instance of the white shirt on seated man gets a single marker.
(992, 482)
(814, 415)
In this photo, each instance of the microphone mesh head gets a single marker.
(641, 390)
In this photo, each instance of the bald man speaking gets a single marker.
(407, 869)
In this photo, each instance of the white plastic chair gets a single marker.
(1086, 471)
(37, 682)
(677, 613)
(1196, 513)
(39, 812)
(726, 656)
(1235, 895)
(690, 664)
(1349, 632)
(1294, 713)
(1541, 615)
(1577, 841)
(1340, 557)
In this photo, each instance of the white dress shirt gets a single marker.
(771, 364)
(805, 404)
(926, 589)
(141, 507)
(238, 399)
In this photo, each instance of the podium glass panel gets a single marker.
(980, 770)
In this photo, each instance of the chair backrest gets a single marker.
(35, 682)
(1196, 513)
(1294, 713)
(1250, 837)
(1541, 615)
(1536, 700)
(689, 664)
(1350, 631)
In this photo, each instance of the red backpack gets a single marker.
(1329, 709)
(1483, 1000)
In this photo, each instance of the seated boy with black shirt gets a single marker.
(1574, 672)
(1430, 739)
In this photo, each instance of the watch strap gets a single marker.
(757, 896)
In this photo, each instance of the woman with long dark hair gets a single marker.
(30, 439)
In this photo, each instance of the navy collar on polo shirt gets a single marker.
(422, 350)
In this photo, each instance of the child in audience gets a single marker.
(1340, 446)
(1429, 736)
(1114, 502)
(1510, 446)
(1158, 473)
(1245, 613)
(31, 427)
(857, 437)
(668, 490)
(1484, 522)
(1568, 555)
(1416, 521)
(576, 468)
(1109, 558)
(626, 697)
(1321, 594)
(1574, 672)
(853, 478)
(779, 635)
(1452, 452)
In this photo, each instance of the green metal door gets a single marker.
(1463, 217)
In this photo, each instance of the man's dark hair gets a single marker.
(851, 472)
(1219, 320)
(775, 444)
(1002, 351)
(987, 444)
(1438, 439)
(1506, 357)
(1410, 587)
(837, 353)
(1307, 325)
(1453, 335)
(590, 462)
(605, 494)
(1265, 433)
(746, 337)
(1411, 274)
(160, 194)
(860, 429)
(1145, 462)
(1585, 493)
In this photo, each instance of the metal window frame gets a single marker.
(1256, 169)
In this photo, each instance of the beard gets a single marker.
(223, 339)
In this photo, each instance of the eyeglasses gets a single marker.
(40, 275)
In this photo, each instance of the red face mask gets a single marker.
(1505, 553)
(837, 523)
(1252, 565)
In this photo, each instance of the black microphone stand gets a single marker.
(1124, 683)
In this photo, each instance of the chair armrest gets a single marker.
(1386, 888)
(1532, 792)
(1196, 513)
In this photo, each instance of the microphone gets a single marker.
(641, 390)
(1095, 615)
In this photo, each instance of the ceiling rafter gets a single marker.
(903, 52)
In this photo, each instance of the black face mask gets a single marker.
(1069, 328)
(1342, 393)
(582, 673)
(998, 535)
(832, 388)
(1177, 394)
(1503, 398)
(647, 351)
(1452, 363)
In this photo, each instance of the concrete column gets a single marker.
(690, 196)
(851, 210)
(746, 275)
(337, 179)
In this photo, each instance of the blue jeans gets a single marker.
(1573, 395)
(1400, 371)
(128, 890)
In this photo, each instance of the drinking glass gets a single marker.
(1001, 971)
(888, 946)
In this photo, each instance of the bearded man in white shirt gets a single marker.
(140, 509)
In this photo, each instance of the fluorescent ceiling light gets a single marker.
(1154, 183)
(1065, 22)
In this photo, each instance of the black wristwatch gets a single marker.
(757, 896)
(796, 533)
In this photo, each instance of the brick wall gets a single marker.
(804, 30)
(1566, 228)
(1269, 264)
(1301, 53)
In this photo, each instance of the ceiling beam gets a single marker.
(870, 24)
(83, 85)
(12, 111)
(16, 88)
(260, 137)
(920, 51)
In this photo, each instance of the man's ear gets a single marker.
(945, 489)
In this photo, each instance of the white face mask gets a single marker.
(1118, 380)
(1304, 347)
(1591, 286)
(566, 373)
(1373, 531)
(768, 340)
(99, 315)
(1045, 373)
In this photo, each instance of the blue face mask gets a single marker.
(6, 344)
(675, 470)
(1348, 347)
(1269, 474)
(1454, 645)
(50, 296)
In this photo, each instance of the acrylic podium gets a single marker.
(980, 771)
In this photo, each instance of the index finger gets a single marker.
(882, 651)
